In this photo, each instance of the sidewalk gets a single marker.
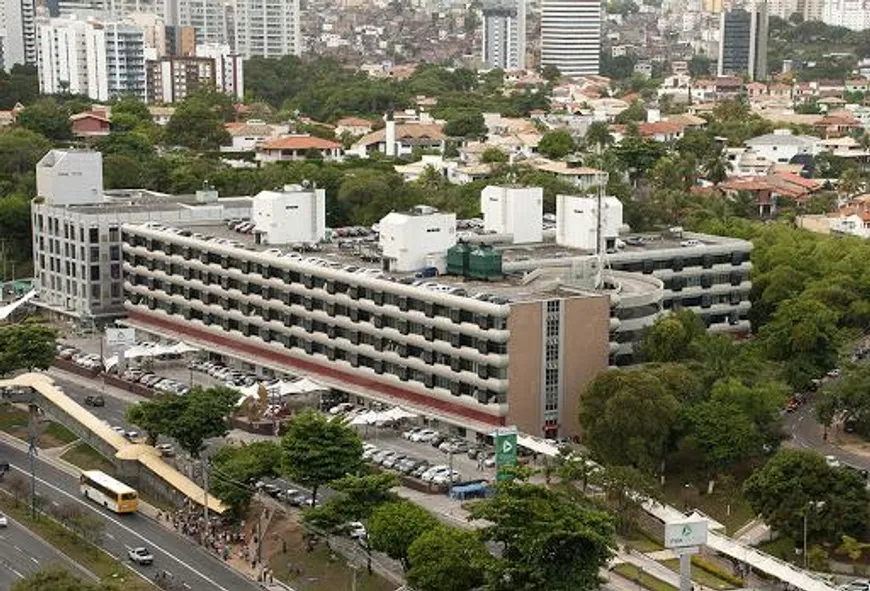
(647, 564)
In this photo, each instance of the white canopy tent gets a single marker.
(284, 388)
(138, 351)
(387, 416)
(537, 445)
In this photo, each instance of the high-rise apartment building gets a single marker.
(267, 28)
(783, 8)
(571, 35)
(180, 41)
(63, 57)
(100, 60)
(228, 68)
(852, 14)
(743, 42)
(19, 34)
(812, 10)
(504, 34)
(172, 79)
(207, 17)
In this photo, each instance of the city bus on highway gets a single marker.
(108, 492)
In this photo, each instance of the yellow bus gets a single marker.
(108, 492)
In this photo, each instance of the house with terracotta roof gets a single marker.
(247, 135)
(853, 218)
(756, 89)
(661, 131)
(837, 124)
(354, 126)
(400, 139)
(582, 177)
(298, 147)
(91, 123)
(767, 189)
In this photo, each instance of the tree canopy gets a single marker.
(393, 527)
(317, 450)
(548, 540)
(27, 346)
(235, 469)
(795, 482)
(447, 559)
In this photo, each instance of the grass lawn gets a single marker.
(321, 573)
(87, 458)
(699, 575)
(13, 420)
(644, 579)
(782, 547)
(642, 542)
(79, 551)
(716, 505)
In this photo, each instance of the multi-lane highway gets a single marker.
(186, 561)
(22, 553)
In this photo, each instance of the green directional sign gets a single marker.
(505, 451)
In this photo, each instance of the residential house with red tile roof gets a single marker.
(298, 147)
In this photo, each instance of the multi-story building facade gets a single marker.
(207, 17)
(228, 68)
(19, 33)
(267, 28)
(63, 57)
(77, 231)
(99, 59)
(504, 34)
(180, 41)
(471, 361)
(852, 14)
(172, 79)
(571, 35)
(743, 42)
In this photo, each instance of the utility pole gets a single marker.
(450, 473)
(31, 453)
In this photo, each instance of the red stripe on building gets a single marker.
(351, 379)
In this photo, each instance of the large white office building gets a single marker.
(571, 35)
(504, 34)
(228, 68)
(207, 17)
(267, 28)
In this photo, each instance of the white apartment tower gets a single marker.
(18, 32)
(852, 14)
(100, 60)
(208, 17)
(63, 57)
(504, 34)
(267, 28)
(228, 68)
(571, 36)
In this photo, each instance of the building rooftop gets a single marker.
(122, 201)
(532, 271)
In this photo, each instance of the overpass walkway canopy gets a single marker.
(761, 561)
(145, 455)
(7, 310)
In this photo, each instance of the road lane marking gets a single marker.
(34, 560)
(126, 528)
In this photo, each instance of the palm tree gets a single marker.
(852, 182)
(598, 135)
(716, 168)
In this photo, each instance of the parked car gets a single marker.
(407, 434)
(97, 400)
(140, 556)
(423, 435)
(393, 460)
(166, 450)
(356, 530)
(4, 521)
(271, 489)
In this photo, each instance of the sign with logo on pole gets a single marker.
(505, 451)
(685, 537)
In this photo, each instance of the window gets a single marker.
(95, 254)
(95, 293)
(114, 234)
(116, 271)
(95, 272)
(115, 253)
(94, 235)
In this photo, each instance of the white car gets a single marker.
(691, 242)
(4, 521)
(832, 461)
(356, 530)
(445, 477)
(140, 556)
(424, 435)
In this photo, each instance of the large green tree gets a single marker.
(671, 337)
(26, 346)
(557, 144)
(318, 450)
(447, 559)
(190, 419)
(795, 482)
(234, 469)
(627, 418)
(548, 540)
(197, 124)
(46, 118)
(394, 527)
